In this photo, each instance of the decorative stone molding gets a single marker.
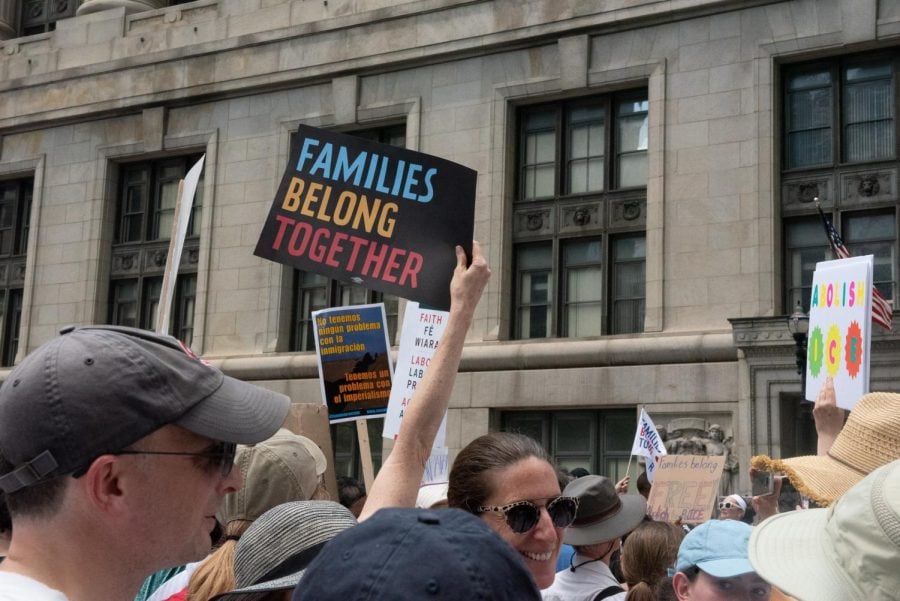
(799, 194)
(580, 217)
(628, 212)
(534, 222)
(868, 187)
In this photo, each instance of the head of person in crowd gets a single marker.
(579, 472)
(351, 494)
(643, 485)
(286, 467)
(272, 554)
(647, 553)
(867, 441)
(713, 565)
(112, 435)
(602, 518)
(732, 507)
(432, 496)
(507, 479)
(414, 554)
(848, 551)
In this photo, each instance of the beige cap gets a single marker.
(867, 441)
(284, 468)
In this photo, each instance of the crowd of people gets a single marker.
(132, 470)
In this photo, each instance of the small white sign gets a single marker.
(419, 337)
(839, 337)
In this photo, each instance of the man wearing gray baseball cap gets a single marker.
(116, 448)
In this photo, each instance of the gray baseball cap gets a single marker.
(97, 389)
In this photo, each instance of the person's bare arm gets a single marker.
(766, 505)
(397, 483)
(828, 416)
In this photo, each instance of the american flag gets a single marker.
(882, 314)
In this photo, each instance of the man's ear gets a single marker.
(682, 586)
(103, 482)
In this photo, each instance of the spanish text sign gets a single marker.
(354, 363)
(839, 338)
(685, 486)
(372, 214)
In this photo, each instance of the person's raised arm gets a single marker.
(828, 416)
(397, 483)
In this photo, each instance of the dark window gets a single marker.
(145, 211)
(15, 218)
(840, 137)
(579, 217)
(596, 440)
(39, 16)
(840, 111)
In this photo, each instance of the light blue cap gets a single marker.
(718, 547)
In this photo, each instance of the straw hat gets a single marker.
(274, 552)
(848, 551)
(869, 439)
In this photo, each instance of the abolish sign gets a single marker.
(372, 214)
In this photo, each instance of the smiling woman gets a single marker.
(508, 480)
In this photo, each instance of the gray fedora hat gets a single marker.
(275, 550)
(603, 514)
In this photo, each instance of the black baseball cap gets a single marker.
(97, 389)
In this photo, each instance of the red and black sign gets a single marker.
(371, 214)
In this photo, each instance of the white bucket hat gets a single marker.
(848, 551)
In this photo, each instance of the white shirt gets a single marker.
(15, 587)
(583, 584)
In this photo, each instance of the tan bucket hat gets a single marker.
(869, 439)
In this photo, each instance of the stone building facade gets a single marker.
(645, 177)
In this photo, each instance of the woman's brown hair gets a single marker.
(468, 488)
(648, 552)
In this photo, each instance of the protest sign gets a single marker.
(437, 468)
(685, 486)
(354, 363)
(422, 329)
(839, 339)
(383, 217)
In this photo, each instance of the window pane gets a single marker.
(868, 112)
(125, 299)
(619, 432)
(528, 424)
(874, 234)
(632, 142)
(587, 140)
(806, 246)
(584, 287)
(150, 303)
(808, 117)
(633, 170)
(573, 434)
(628, 285)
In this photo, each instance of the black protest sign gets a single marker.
(371, 214)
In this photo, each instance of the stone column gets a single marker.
(8, 19)
(131, 6)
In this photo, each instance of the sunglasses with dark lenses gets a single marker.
(727, 505)
(522, 516)
(218, 457)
